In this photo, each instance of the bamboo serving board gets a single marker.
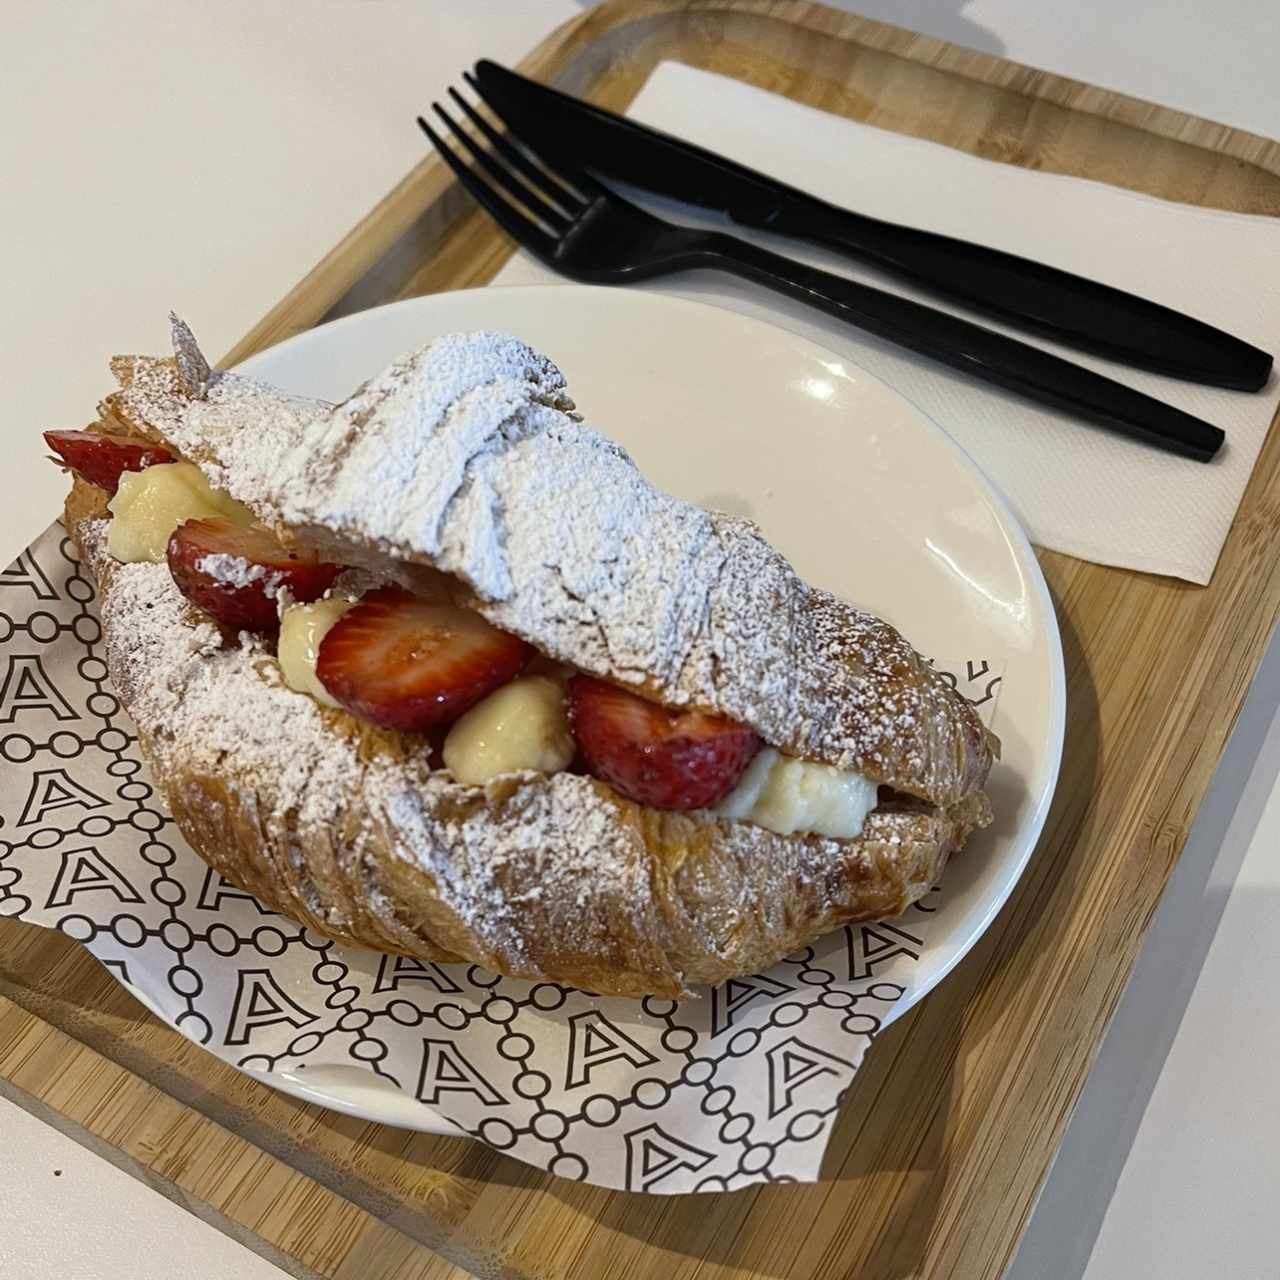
(936, 1162)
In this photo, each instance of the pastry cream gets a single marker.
(149, 505)
(788, 795)
(302, 628)
(521, 726)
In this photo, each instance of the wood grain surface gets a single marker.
(936, 1162)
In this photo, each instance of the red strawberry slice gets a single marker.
(100, 458)
(666, 759)
(236, 572)
(401, 661)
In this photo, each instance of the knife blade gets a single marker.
(1070, 309)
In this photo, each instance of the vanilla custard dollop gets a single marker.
(788, 795)
(149, 505)
(302, 628)
(519, 727)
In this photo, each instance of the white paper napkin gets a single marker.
(1076, 488)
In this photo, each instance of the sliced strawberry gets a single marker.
(667, 759)
(236, 573)
(100, 458)
(403, 662)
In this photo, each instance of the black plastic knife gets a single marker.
(1068, 308)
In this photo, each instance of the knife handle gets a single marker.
(1067, 308)
(980, 352)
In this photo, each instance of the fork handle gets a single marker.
(980, 352)
(1070, 309)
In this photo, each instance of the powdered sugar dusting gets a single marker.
(236, 571)
(463, 455)
(236, 432)
(470, 393)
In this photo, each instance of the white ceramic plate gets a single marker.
(865, 495)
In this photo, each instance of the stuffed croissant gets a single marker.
(436, 671)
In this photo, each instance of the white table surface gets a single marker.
(168, 153)
(67, 1213)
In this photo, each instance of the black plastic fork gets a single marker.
(577, 227)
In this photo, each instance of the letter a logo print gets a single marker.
(445, 1070)
(653, 1154)
(261, 1002)
(730, 998)
(55, 789)
(393, 970)
(215, 889)
(83, 871)
(872, 945)
(26, 572)
(27, 688)
(794, 1064)
(593, 1041)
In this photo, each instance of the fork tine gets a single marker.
(561, 195)
(515, 224)
(531, 200)
(584, 184)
